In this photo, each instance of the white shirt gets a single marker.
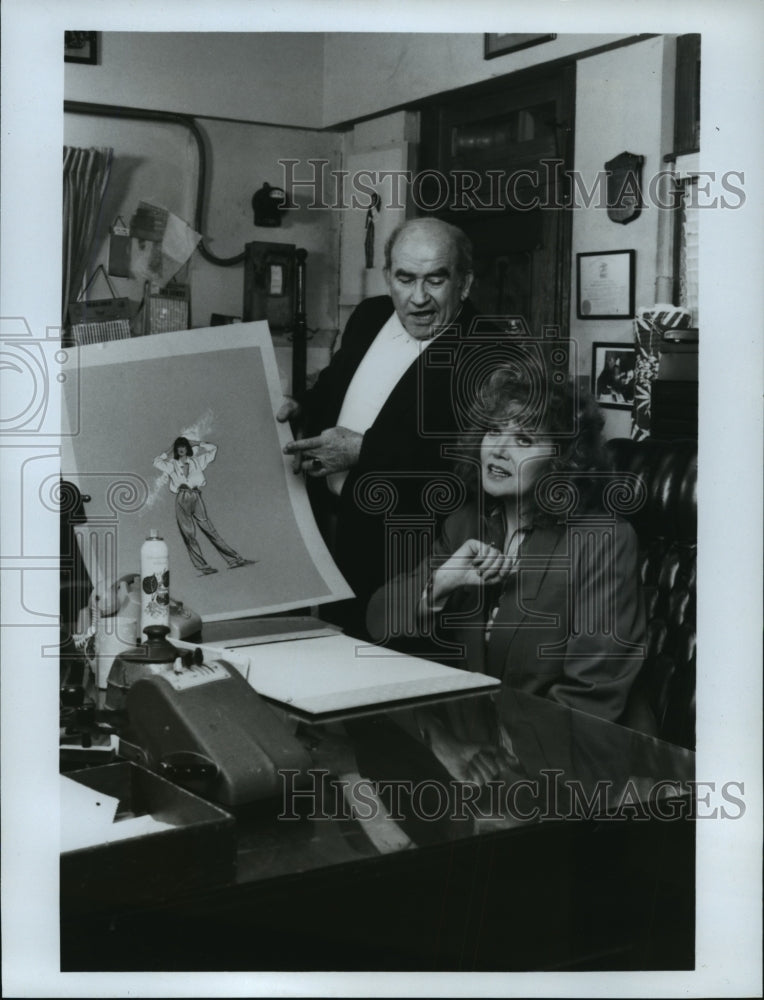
(203, 454)
(391, 353)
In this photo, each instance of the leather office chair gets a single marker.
(666, 525)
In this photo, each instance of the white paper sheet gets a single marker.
(336, 672)
(87, 818)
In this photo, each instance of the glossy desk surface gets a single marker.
(407, 777)
(428, 836)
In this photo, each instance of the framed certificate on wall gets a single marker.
(605, 284)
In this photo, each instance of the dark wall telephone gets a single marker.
(269, 284)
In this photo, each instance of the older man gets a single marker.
(375, 421)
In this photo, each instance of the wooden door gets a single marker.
(494, 160)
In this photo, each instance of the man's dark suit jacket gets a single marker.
(402, 452)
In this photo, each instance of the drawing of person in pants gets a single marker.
(185, 470)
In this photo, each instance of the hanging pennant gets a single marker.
(119, 249)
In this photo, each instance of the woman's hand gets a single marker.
(473, 564)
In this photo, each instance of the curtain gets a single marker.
(650, 326)
(86, 174)
(647, 340)
(689, 249)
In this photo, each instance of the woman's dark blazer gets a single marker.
(571, 621)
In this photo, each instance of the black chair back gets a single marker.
(666, 525)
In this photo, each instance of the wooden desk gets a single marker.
(535, 873)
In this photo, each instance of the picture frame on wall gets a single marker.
(605, 284)
(613, 377)
(500, 44)
(81, 47)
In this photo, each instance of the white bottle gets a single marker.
(155, 583)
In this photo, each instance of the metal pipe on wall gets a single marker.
(171, 118)
(664, 258)
(299, 347)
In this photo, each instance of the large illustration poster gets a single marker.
(176, 433)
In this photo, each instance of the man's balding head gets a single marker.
(459, 240)
(428, 268)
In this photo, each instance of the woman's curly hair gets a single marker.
(563, 411)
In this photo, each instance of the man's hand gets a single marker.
(334, 450)
(290, 410)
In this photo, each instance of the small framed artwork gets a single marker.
(81, 47)
(614, 374)
(499, 45)
(605, 284)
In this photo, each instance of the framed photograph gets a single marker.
(499, 45)
(81, 47)
(614, 374)
(605, 284)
